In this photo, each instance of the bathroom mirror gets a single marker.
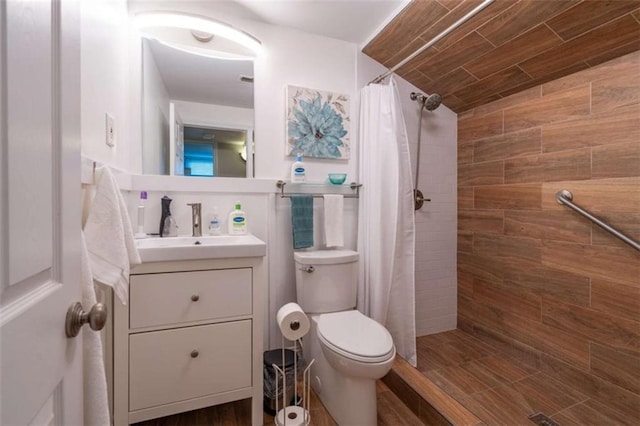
(197, 101)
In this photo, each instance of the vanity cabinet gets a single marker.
(190, 337)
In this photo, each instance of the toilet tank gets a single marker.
(326, 280)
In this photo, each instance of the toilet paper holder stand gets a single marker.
(293, 415)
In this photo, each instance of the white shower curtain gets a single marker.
(386, 225)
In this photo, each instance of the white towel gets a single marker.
(110, 243)
(96, 402)
(333, 220)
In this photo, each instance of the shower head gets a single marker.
(430, 102)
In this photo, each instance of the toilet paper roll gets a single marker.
(293, 322)
(292, 416)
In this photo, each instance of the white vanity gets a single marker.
(191, 335)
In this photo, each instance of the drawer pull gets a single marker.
(194, 353)
(195, 298)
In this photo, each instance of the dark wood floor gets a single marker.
(501, 391)
(235, 413)
(391, 412)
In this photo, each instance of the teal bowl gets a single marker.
(337, 178)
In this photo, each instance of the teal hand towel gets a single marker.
(302, 220)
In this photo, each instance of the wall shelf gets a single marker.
(317, 189)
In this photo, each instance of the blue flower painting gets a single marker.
(317, 123)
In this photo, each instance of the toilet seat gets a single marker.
(355, 336)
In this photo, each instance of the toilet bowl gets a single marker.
(344, 379)
(351, 350)
(356, 345)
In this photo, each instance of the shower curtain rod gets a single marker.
(433, 41)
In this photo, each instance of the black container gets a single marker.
(269, 387)
(166, 212)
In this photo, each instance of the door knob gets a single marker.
(77, 317)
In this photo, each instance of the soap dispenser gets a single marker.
(214, 225)
(168, 226)
(298, 171)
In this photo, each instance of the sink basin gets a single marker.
(206, 247)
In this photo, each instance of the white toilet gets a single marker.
(351, 350)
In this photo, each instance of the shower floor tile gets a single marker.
(504, 369)
(499, 390)
(460, 382)
(592, 413)
(547, 395)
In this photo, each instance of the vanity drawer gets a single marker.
(164, 367)
(180, 297)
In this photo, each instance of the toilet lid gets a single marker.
(355, 336)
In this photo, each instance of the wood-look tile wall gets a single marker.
(508, 47)
(534, 277)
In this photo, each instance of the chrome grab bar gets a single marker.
(565, 197)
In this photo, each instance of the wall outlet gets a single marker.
(110, 129)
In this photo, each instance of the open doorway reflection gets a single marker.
(216, 152)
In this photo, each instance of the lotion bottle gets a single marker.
(237, 221)
(298, 170)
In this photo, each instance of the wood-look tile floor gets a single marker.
(391, 412)
(502, 391)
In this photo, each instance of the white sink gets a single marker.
(157, 249)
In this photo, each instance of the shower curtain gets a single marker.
(386, 225)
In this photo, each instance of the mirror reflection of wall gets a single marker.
(182, 89)
(214, 152)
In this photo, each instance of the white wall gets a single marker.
(436, 222)
(296, 58)
(105, 79)
(300, 59)
(289, 57)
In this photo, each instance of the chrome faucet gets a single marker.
(196, 219)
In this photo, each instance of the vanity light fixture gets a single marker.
(196, 23)
(207, 53)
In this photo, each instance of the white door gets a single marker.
(176, 143)
(40, 368)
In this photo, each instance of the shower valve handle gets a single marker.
(418, 199)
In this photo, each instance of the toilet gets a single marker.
(351, 350)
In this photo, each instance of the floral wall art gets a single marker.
(317, 123)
